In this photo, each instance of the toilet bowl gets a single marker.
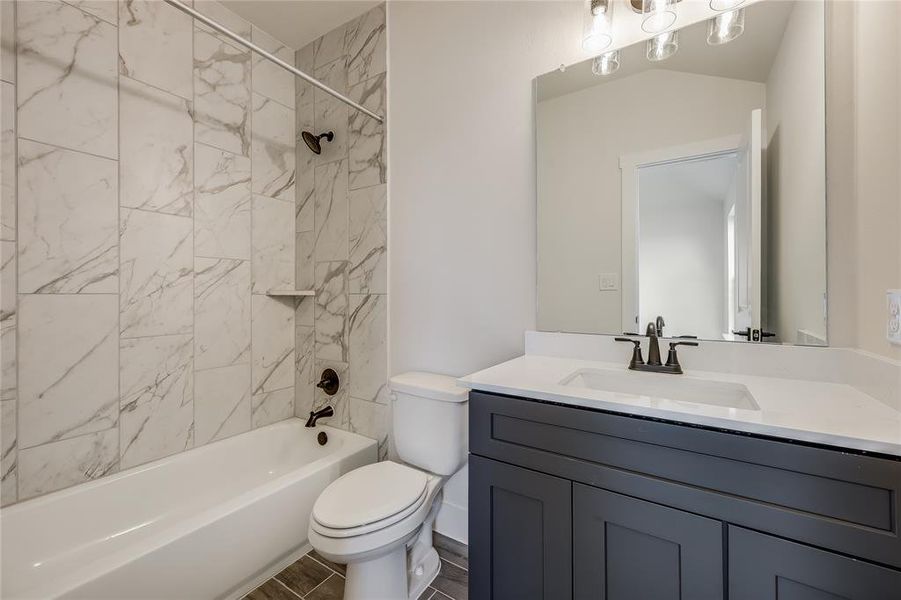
(378, 519)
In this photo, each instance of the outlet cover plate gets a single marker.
(893, 317)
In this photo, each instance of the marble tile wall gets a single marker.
(147, 195)
(341, 229)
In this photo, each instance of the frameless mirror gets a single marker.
(691, 188)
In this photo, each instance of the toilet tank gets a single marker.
(431, 427)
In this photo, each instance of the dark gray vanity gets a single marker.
(567, 502)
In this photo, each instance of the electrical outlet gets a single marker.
(893, 317)
(608, 282)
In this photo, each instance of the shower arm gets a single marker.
(272, 58)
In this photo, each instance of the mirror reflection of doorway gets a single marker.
(685, 246)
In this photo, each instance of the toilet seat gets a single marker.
(368, 499)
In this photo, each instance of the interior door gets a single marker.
(748, 235)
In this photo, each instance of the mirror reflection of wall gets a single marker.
(692, 188)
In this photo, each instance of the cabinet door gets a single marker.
(520, 533)
(630, 549)
(762, 567)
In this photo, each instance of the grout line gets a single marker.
(16, 314)
(143, 337)
(253, 350)
(278, 581)
(313, 558)
(218, 258)
(92, 15)
(168, 214)
(163, 90)
(119, 213)
(450, 562)
(193, 246)
(66, 439)
(64, 294)
(58, 147)
(237, 364)
(307, 595)
(211, 146)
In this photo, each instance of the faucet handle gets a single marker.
(672, 359)
(637, 358)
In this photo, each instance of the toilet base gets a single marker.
(400, 574)
(424, 574)
(380, 578)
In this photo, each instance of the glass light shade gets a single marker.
(597, 27)
(663, 45)
(725, 27)
(606, 64)
(720, 5)
(657, 15)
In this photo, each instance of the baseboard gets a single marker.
(453, 521)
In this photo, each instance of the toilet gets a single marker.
(378, 519)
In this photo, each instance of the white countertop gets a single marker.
(832, 414)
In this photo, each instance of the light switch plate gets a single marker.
(893, 317)
(608, 282)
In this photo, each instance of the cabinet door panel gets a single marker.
(520, 533)
(762, 567)
(629, 549)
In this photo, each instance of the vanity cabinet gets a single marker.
(568, 502)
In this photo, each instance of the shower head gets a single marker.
(312, 141)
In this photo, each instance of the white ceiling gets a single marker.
(298, 22)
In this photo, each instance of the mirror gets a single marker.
(691, 188)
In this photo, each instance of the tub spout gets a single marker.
(315, 415)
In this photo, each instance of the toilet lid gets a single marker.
(370, 494)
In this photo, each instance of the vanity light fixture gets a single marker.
(721, 5)
(597, 25)
(606, 64)
(725, 27)
(662, 46)
(658, 15)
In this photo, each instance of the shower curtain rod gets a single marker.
(272, 58)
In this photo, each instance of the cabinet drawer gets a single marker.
(846, 502)
(762, 567)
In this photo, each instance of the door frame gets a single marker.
(629, 164)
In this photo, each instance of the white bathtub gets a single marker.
(203, 524)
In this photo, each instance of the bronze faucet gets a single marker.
(653, 364)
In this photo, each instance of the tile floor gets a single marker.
(315, 578)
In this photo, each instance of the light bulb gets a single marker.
(662, 46)
(606, 64)
(658, 15)
(725, 27)
(597, 26)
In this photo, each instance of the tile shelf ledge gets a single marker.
(291, 293)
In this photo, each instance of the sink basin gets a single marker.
(675, 388)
